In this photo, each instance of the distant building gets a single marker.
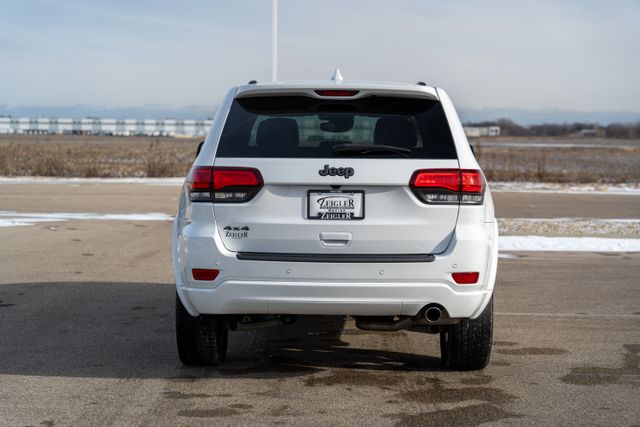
(587, 133)
(478, 131)
(99, 126)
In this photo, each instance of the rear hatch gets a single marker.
(332, 175)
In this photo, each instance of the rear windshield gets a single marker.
(303, 127)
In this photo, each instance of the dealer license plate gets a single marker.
(335, 205)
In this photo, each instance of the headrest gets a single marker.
(277, 134)
(395, 131)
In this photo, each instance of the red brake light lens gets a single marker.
(200, 178)
(472, 181)
(449, 186)
(466, 278)
(204, 274)
(333, 92)
(223, 184)
(236, 177)
(448, 179)
(200, 184)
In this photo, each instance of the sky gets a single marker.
(547, 57)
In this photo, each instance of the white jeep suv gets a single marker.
(336, 198)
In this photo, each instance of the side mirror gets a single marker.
(199, 148)
(472, 149)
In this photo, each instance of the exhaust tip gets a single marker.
(433, 314)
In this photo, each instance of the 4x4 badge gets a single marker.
(229, 228)
(346, 172)
(236, 232)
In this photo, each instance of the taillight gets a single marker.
(223, 184)
(472, 183)
(449, 186)
(466, 278)
(200, 184)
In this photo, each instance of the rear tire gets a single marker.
(466, 346)
(201, 340)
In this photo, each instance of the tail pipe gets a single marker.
(433, 314)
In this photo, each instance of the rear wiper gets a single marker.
(364, 150)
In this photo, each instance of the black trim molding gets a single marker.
(342, 258)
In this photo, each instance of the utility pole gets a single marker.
(274, 40)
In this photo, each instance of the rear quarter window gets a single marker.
(304, 127)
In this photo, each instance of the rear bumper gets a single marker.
(364, 299)
(366, 289)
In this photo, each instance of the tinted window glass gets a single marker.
(295, 127)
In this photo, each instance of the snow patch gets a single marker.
(88, 181)
(567, 244)
(577, 219)
(21, 222)
(17, 219)
(550, 187)
(502, 255)
(506, 243)
(629, 227)
(550, 145)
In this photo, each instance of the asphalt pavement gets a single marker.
(87, 338)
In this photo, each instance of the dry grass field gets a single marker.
(503, 159)
(559, 160)
(95, 156)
